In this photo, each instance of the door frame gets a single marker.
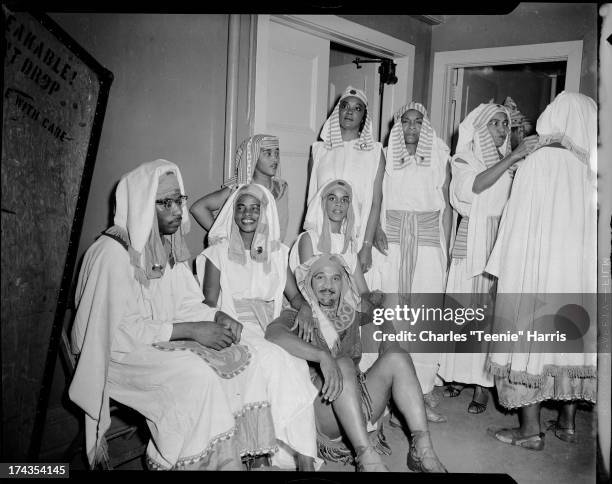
(344, 32)
(445, 62)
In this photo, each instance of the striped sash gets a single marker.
(460, 245)
(257, 311)
(410, 230)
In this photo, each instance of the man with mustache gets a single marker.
(349, 398)
(146, 339)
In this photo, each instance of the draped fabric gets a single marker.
(135, 216)
(331, 134)
(246, 158)
(475, 153)
(330, 325)
(266, 242)
(317, 226)
(397, 154)
(475, 137)
(547, 244)
(197, 418)
(480, 214)
(252, 285)
(254, 298)
(411, 230)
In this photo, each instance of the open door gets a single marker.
(291, 102)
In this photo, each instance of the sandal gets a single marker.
(452, 391)
(368, 460)
(423, 459)
(531, 442)
(476, 407)
(566, 434)
(431, 399)
(433, 416)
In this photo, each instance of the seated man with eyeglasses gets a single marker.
(146, 339)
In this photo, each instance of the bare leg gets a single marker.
(529, 418)
(567, 415)
(479, 400)
(565, 426)
(528, 434)
(393, 374)
(345, 412)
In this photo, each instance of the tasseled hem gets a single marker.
(101, 456)
(251, 436)
(530, 380)
(563, 398)
(337, 451)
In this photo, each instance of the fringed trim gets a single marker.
(337, 451)
(217, 441)
(536, 381)
(101, 457)
(560, 398)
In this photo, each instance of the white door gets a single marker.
(366, 79)
(291, 102)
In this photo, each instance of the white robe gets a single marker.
(288, 385)
(415, 188)
(197, 419)
(355, 166)
(550, 226)
(470, 368)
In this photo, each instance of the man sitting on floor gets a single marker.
(348, 397)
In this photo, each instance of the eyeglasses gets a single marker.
(167, 203)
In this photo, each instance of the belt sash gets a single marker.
(411, 230)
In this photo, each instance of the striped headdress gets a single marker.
(474, 134)
(246, 158)
(397, 154)
(331, 134)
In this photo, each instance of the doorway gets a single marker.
(532, 86)
(291, 87)
(446, 65)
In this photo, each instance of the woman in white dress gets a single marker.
(246, 274)
(482, 171)
(348, 152)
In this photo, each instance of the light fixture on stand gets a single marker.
(386, 70)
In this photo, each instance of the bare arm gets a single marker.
(374, 217)
(278, 332)
(365, 253)
(305, 248)
(212, 284)
(304, 323)
(203, 209)
(487, 178)
(362, 285)
(213, 334)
